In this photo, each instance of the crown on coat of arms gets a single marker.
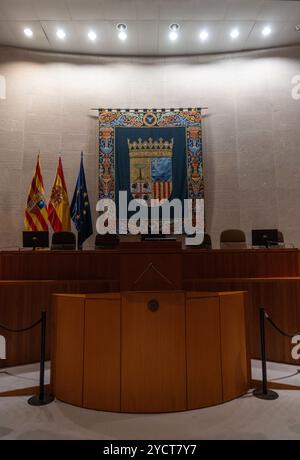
(150, 147)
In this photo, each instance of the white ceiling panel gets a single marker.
(56, 10)
(84, 10)
(276, 10)
(176, 9)
(69, 43)
(257, 40)
(212, 10)
(18, 10)
(147, 10)
(228, 43)
(244, 10)
(148, 37)
(120, 11)
(12, 34)
(6, 34)
(148, 25)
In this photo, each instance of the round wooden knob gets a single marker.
(153, 305)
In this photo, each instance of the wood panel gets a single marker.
(69, 348)
(204, 377)
(240, 263)
(21, 303)
(150, 271)
(102, 353)
(153, 363)
(233, 345)
(281, 299)
(59, 265)
(106, 264)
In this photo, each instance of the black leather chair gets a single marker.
(63, 241)
(206, 243)
(107, 241)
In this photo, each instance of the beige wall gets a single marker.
(250, 131)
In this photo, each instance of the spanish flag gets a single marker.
(36, 214)
(58, 207)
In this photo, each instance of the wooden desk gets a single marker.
(111, 352)
(106, 263)
(28, 278)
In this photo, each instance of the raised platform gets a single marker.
(29, 278)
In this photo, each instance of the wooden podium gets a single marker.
(149, 351)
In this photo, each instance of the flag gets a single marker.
(58, 207)
(36, 215)
(80, 207)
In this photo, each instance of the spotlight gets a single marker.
(92, 35)
(122, 31)
(61, 34)
(234, 33)
(266, 31)
(28, 32)
(173, 35)
(203, 35)
(297, 28)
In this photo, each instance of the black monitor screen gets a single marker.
(264, 237)
(35, 239)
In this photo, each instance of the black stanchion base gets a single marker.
(269, 395)
(36, 401)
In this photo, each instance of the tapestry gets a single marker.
(152, 154)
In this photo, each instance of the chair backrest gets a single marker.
(280, 237)
(63, 241)
(107, 241)
(233, 238)
(206, 243)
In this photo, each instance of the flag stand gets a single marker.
(79, 245)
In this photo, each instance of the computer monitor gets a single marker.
(35, 240)
(265, 237)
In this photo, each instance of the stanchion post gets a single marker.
(42, 399)
(264, 393)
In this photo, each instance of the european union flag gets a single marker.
(80, 208)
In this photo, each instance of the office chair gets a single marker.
(63, 241)
(233, 238)
(206, 243)
(107, 241)
(280, 237)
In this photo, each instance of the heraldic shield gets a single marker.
(151, 168)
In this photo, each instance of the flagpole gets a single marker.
(79, 245)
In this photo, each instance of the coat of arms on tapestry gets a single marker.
(151, 154)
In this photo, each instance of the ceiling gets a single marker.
(148, 25)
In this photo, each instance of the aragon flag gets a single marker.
(58, 207)
(36, 214)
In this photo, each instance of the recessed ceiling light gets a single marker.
(61, 34)
(92, 35)
(28, 32)
(204, 35)
(234, 33)
(297, 27)
(266, 31)
(122, 31)
(173, 34)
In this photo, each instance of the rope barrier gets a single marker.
(286, 334)
(21, 330)
(42, 398)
